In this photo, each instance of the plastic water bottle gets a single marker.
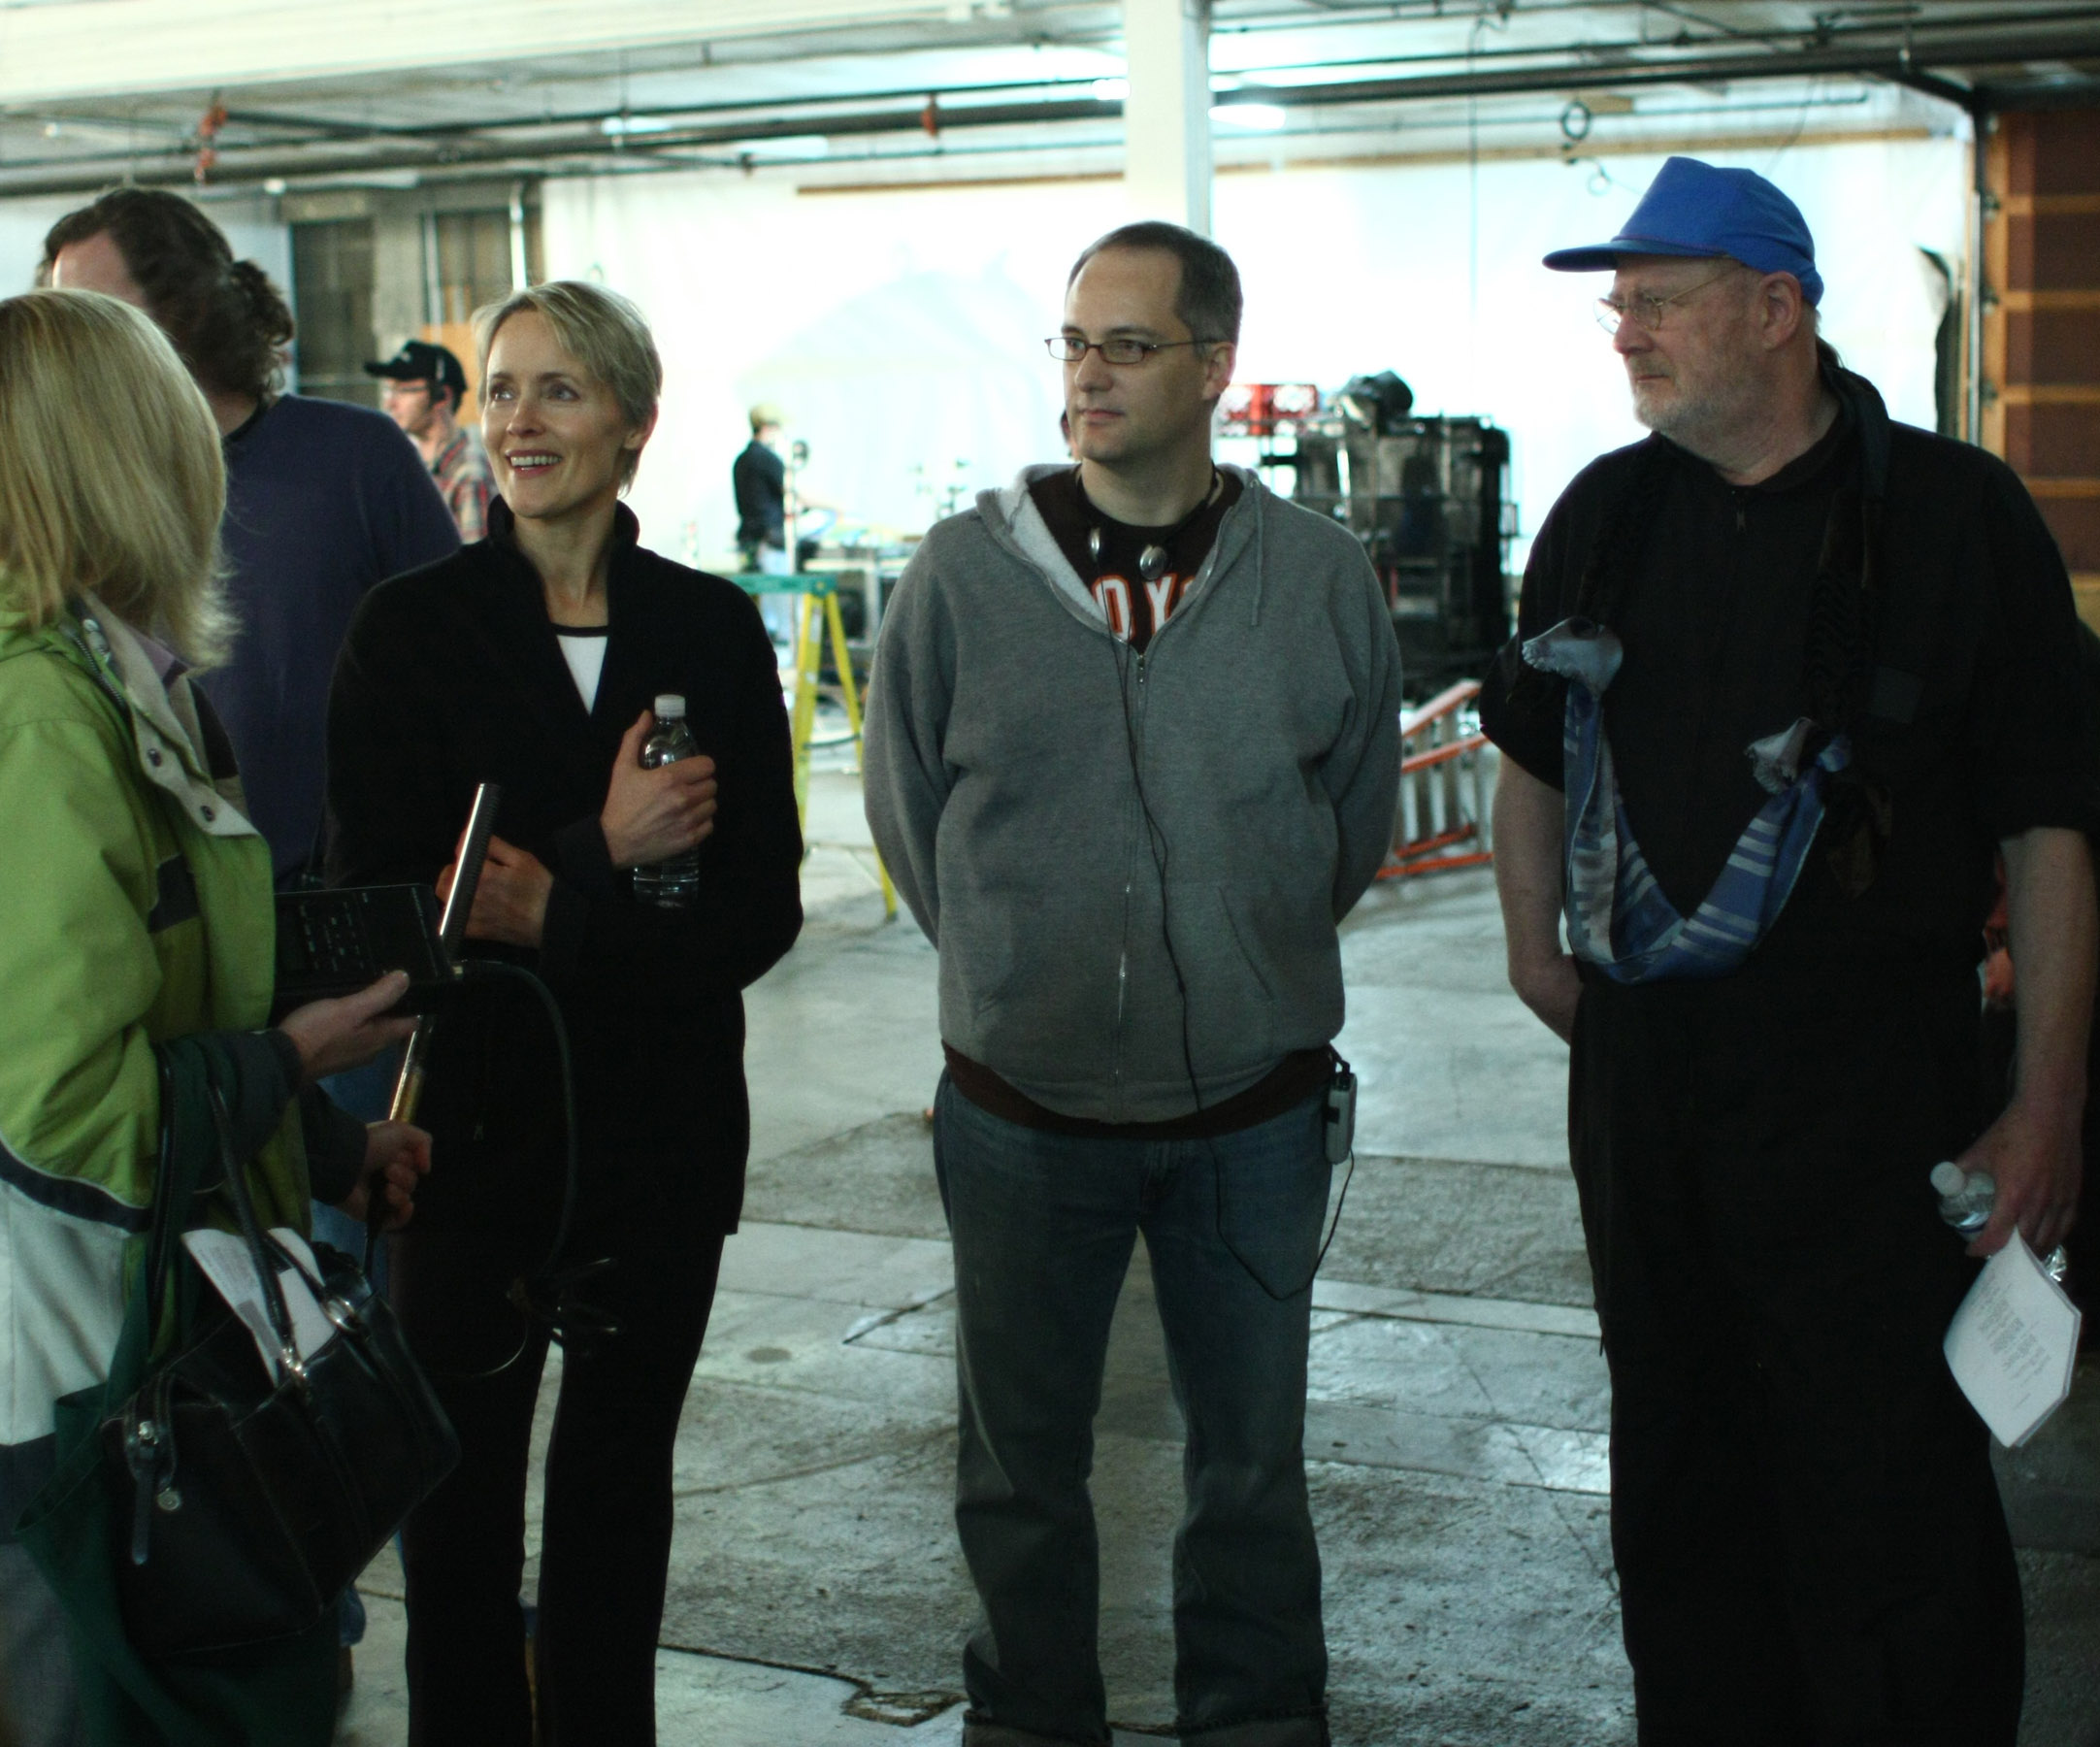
(668, 884)
(1965, 1203)
(1965, 1196)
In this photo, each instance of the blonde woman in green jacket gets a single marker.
(138, 897)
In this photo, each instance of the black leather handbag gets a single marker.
(254, 1500)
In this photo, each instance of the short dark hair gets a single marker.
(1208, 300)
(230, 325)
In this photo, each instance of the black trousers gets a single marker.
(1810, 1543)
(605, 1537)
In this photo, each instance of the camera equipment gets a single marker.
(472, 853)
(1427, 495)
(336, 942)
(1382, 402)
(546, 1294)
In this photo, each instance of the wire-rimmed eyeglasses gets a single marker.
(1647, 312)
(1069, 348)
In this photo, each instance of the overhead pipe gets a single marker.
(307, 131)
(248, 165)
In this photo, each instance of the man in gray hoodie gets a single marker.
(1132, 749)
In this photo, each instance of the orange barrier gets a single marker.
(1442, 819)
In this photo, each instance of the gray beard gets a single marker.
(1704, 426)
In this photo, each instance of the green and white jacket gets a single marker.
(138, 908)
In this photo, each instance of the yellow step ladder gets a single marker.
(819, 593)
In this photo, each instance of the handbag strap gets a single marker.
(179, 1169)
(167, 1224)
(265, 1272)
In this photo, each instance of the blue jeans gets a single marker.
(40, 1702)
(365, 1091)
(1043, 1226)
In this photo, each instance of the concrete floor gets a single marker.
(1455, 1427)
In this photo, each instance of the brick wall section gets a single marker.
(2042, 337)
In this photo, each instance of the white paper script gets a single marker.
(2012, 1343)
(226, 1263)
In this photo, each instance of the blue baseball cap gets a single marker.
(1694, 209)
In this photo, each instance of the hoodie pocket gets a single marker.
(1029, 982)
(1270, 973)
(1231, 991)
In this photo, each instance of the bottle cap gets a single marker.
(1948, 1179)
(670, 707)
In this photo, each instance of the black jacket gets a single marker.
(450, 676)
(759, 478)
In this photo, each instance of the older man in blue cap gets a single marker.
(1788, 678)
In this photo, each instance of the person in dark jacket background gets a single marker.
(759, 478)
(530, 659)
(323, 499)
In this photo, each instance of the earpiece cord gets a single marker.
(540, 1294)
(1156, 841)
(1154, 559)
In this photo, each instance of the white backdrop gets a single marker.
(901, 330)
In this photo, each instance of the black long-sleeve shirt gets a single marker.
(451, 676)
(759, 478)
(1976, 719)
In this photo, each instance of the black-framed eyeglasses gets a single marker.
(1647, 312)
(1069, 348)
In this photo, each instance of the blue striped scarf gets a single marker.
(1617, 917)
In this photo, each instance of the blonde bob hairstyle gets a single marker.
(603, 331)
(111, 478)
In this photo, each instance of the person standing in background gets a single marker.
(760, 478)
(322, 499)
(426, 387)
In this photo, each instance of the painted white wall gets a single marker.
(897, 331)
(901, 330)
(1349, 271)
(22, 226)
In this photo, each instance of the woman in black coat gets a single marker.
(530, 659)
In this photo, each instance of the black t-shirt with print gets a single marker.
(1134, 607)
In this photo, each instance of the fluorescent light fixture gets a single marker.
(1249, 117)
(614, 127)
(787, 146)
(1111, 90)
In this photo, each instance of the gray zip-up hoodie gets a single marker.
(1015, 748)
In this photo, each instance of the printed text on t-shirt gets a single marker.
(1114, 596)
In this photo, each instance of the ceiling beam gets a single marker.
(519, 145)
(123, 47)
